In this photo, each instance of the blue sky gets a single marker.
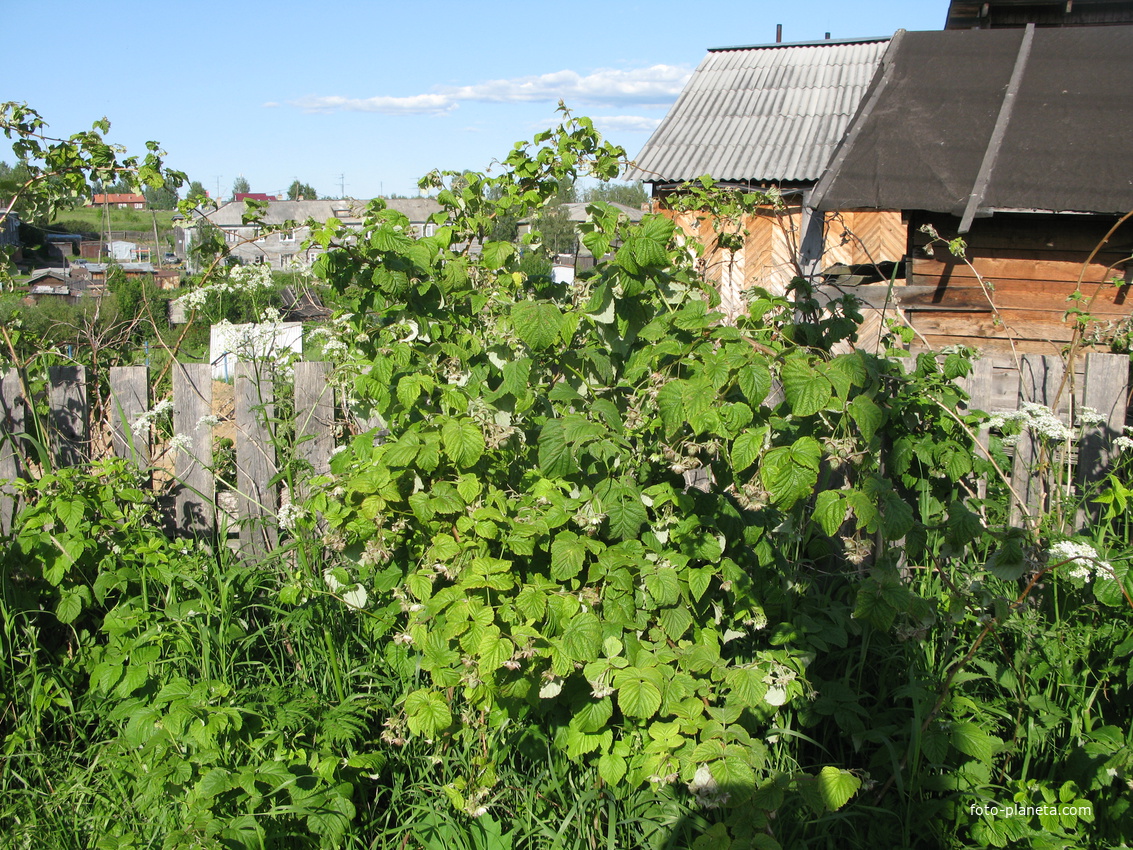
(368, 96)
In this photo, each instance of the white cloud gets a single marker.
(626, 123)
(658, 85)
(418, 104)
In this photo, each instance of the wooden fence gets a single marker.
(1101, 382)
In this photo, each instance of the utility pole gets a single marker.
(342, 185)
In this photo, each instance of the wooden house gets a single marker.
(994, 14)
(769, 118)
(1018, 142)
(121, 200)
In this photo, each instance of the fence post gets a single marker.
(129, 400)
(67, 422)
(1106, 390)
(314, 421)
(255, 459)
(979, 385)
(1039, 380)
(12, 409)
(194, 492)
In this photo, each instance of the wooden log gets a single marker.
(195, 490)
(12, 427)
(70, 414)
(1106, 390)
(314, 422)
(129, 400)
(257, 498)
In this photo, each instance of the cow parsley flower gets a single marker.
(1081, 559)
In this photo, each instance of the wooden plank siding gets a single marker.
(1030, 267)
(773, 240)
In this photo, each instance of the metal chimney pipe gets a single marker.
(778, 33)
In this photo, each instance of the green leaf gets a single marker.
(568, 554)
(789, 473)
(71, 603)
(427, 712)
(664, 586)
(837, 787)
(216, 781)
(807, 391)
(496, 254)
(867, 415)
(681, 402)
(1108, 585)
(612, 768)
(463, 441)
(830, 510)
(746, 449)
(556, 460)
(755, 383)
(971, 740)
(537, 323)
(625, 512)
(638, 697)
(583, 637)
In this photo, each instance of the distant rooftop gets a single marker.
(763, 114)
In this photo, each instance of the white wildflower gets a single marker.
(289, 515)
(1089, 418)
(1081, 558)
(180, 442)
(337, 450)
(208, 421)
(1123, 444)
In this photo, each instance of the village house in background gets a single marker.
(283, 249)
(1030, 165)
(122, 201)
(764, 118)
(994, 14)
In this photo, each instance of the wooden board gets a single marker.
(195, 490)
(1106, 390)
(129, 400)
(12, 427)
(314, 421)
(68, 422)
(257, 496)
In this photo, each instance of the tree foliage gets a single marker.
(301, 191)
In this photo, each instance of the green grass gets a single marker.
(93, 219)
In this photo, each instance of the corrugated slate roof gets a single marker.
(941, 132)
(768, 113)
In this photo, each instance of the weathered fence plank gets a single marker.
(1040, 379)
(1106, 390)
(257, 499)
(195, 489)
(979, 384)
(314, 421)
(70, 413)
(12, 426)
(129, 400)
